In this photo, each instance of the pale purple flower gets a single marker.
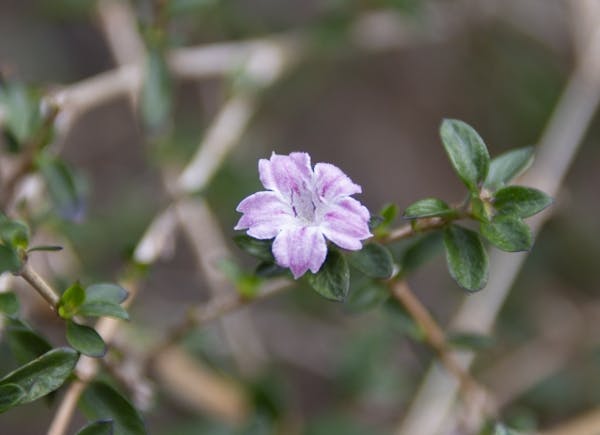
(301, 208)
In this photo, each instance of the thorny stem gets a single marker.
(41, 286)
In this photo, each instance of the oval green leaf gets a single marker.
(44, 374)
(467, 152)
(466, 257)
(428, 207)
(9, 304)
(257, 248)
(103, 309)
(86, 340)
(70, 301)
(65, 187)
(100, 427)
(100, 402)
(9, 259)
(156, 101)
(508, 233)
(333, 280)
(521, 201)
(373, 260)
(105, 292)
(508, 166)
(10, 396)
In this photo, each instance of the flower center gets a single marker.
(303, 205)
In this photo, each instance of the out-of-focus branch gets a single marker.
(557, 147)
(40, 285)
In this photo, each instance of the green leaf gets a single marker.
(480, 210)
(25, 343)
(23, 111)
(268, 269)
(15, 233)
(156, 101)
(508, 166)
(420, 252)
(85, 339)
(9, 304)
(64, 186)
(466, 151)
(255, 247)
(9, 260)
(380, 224)
(333, 280)
(105, 292)
(70, 301)
(389, 213)
(367, 296)
(100, 427)
(508, 233)
(429, 207)
(373, 260)
(46, 248)
(521, 201)
(103, 309)
(10, 396)
(44, 374)
(100, 401)
(466, 257)
(469, 341)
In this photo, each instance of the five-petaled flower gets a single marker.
(301, 208)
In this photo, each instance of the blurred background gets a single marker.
(373, 82)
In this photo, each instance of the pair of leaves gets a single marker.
(37, 378)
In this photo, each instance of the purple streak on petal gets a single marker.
(331, 182)
(285, 174)
(346, 224)
(265, 214)
(300, 249)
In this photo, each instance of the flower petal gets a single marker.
(300, 249)
(286, 174)
(346, 223)
(331, 182)
(265, 214)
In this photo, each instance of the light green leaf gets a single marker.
(100, 401)
(373, 260)
(255, 247)
(103, 309)
(333, 280)
(10, 396)
(44, 374)
(23, 111)
(9, 260)
(466, 151)
(466, 257)
(508, 233)
(85, 339)
(70, 301)
(105, 292)
(508, 166)
(156, 100)
(15, 233)
(9, 304)
(100, 427)
(428, 207)
(521, 201)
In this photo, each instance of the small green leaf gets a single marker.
(15, 233)
(480, 210)
(429, 207)
(466, 257)
(70, 301)
(9, 259)
(9, 304)
(25, 343)
(85, 339)
(105, 292)
(367, 296)
(508, 166)
(23, 111)
(373, 260)
(466, 151)
(380, 224)
(65, 187)
(508, 233)
(389, 213)
(333, 280)
(10, 396)
(156, 100)
(44, 374)
(100, 427)
(268, 269)
(46, 248)
(469, 341)
(521, 201)
(103, 309)
(420, 252)
(255, 247)
(100, 401)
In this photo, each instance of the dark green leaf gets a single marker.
(521, 201)
(10, 396)
(466, 151)
(333, 280)
(466, 257)
(389, 213)
(44, 374)
(255, 247)
(373, 260)
(100, 401)
(47, 248)
(14, 232)
(268, 269)
(25, 343)
(105, 292)
(65, 187)
(70, 301)
(508, 233)
(470, 341)
(103, 309)
(100, 427)
(156, 101)
(367, 296)
(85, 339)
(428, 207)
(508, 166)
(9, 259)
(9, 304)
(420, 252)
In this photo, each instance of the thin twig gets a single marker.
(40, 285)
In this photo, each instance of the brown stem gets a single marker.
(412, 229)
